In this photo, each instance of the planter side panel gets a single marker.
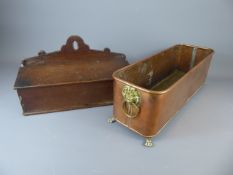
(174, 99)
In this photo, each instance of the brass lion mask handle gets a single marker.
(131, 101)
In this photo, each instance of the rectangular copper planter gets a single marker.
(148, 93)
(67, 79)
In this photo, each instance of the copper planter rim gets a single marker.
(172, 86)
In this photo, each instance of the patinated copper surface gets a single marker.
(67, 79)
(148, 93)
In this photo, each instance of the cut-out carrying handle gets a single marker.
(69, 46)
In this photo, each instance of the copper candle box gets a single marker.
(147, 94)
(67, 79)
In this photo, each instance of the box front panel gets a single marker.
(65, 97)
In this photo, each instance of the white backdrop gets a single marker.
(198, 141)
(134, 27)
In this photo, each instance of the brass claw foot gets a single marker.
(111, 120)
(148, 142)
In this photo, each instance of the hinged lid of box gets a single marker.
(69, 66)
